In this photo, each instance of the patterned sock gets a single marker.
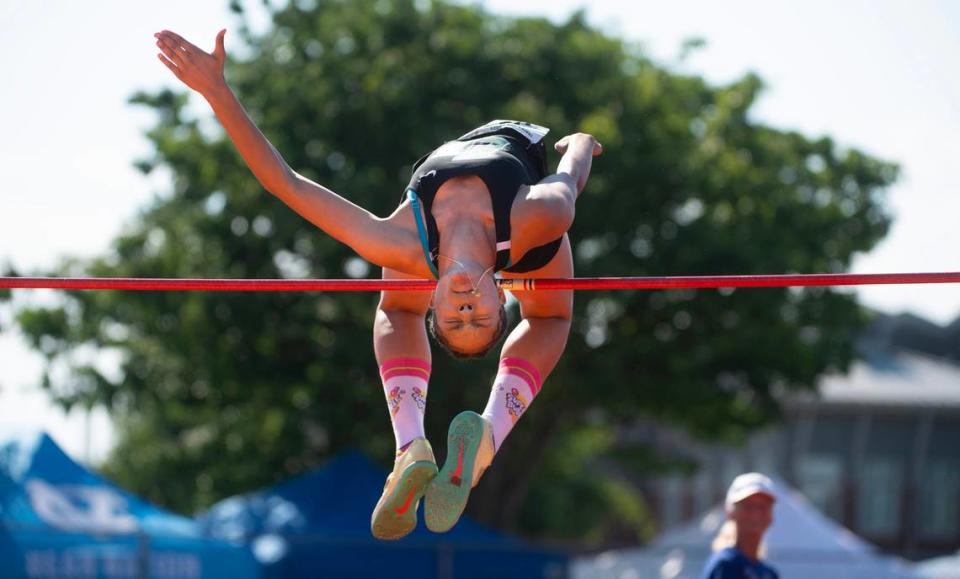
(516, 385)
(405, 386)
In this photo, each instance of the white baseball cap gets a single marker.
(747, 485)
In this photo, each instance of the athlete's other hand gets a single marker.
(589, 142)
(199, 70)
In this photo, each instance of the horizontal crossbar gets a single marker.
(583, 283)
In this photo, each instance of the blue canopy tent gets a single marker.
(58, 519)
(318, 525)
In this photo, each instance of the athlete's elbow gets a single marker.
(278, 189)
(281, 184)
(573, 182)
(564, 204)
(379, 251)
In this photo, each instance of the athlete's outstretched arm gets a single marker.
(373, 238)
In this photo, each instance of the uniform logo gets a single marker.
(477, 153)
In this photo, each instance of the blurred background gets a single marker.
(742, 138)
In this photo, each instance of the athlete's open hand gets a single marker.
(199, 70)
(583, 139)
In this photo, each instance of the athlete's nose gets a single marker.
(465, 308)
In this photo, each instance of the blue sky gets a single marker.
(876, 75)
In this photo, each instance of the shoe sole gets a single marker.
(395, 517)
(448, 493)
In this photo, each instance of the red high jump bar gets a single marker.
(583, 283)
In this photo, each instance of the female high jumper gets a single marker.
(480, 205)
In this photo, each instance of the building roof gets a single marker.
(910, 332)
(894, 378)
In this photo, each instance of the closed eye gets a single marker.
(455, 324)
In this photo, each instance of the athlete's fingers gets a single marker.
(173, 68)
(218, 50)
(168, 42)
(171, 53)
(165, 39)
(182, 42)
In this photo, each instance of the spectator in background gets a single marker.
(739, 546)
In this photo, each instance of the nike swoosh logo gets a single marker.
(455, 477)
(406, 504)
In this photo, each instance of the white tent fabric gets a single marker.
(940, 568)
(801, 543)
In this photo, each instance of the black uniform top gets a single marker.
(505, 159)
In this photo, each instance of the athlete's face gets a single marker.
(467, 311)
(754, 514)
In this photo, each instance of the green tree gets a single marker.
(224, 393)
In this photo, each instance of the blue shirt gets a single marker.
(732, 564)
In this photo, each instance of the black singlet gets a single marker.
(505, 159)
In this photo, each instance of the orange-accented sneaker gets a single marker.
(396, 513)
(470, 450)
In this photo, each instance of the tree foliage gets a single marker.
(224, 393)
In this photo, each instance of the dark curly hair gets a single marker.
(497, 336)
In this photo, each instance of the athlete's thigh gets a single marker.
(399, 330)
(412, 301)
